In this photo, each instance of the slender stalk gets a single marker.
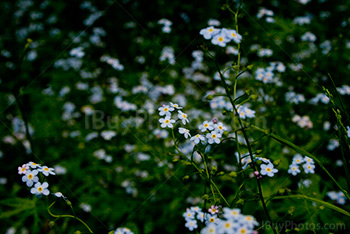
(227, 90)
(67, 216)
(217, 189)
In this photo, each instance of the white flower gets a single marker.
(297, 159)
(309, 168)
(213, 137)
(40, 189)
(211, 219)
(166, 122)
(191, 224)
(108, 134)
(209, 32)
(232, 35)
(308, 160)
(23, 169)
(231, 214)
(197, 138)
(220, 40)
(176, 106)
(46, 171)
(165, 110)
(268, 170)
(30, 177)
(293, 169)
(33, 165)
(185, 132)
(189, 215)
(77, 52)
(219, 127)
(206, 126)
(210, 229)
(227, 227)
(249, 222)
(183, 117)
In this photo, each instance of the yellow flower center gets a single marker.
(40, 189)
(227, 225)
(220, 127)
(184, 115)
(213, 136)
(205, 125)
(248, 218)
(212, 220)
(165, 109)
(30, 176)
(221, 39)
(23, 169)
(233, 34)
(166, 121)
(243, 231)
(268, 169)
(211, 29)
(46, 169)
(234, 213)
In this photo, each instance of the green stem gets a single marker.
(67, 216)
(217, 189)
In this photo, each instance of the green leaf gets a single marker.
(23, 203)
(20, 205)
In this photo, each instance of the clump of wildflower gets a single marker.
(299, 161)
(229, 221)
(166, 25)
(30, 176)
(338, 197)
(220, 37)
(303, 122)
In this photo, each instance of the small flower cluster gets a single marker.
(214, 131)
(244, 112)
(168, 54)
(166, 111)
(303, 122)
(338, 197)
(307, 163)
(220, 37)
(266, 168)
(113, 62)
(262, 12)
(166, 25)
(293, 97)
(30, 176)
(228, 221)
(123, 230)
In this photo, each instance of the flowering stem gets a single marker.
(227, 90)
(67, 216)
